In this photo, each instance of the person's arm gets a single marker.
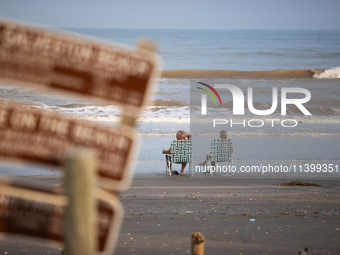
(167, 152)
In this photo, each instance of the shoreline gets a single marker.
(273, 74)
(161, 213)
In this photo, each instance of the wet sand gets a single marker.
(162, 212)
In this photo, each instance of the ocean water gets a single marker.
(221, 50)
(243, 50)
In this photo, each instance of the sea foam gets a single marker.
(329, 73)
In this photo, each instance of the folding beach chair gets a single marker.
(181, 152)
(221, 151)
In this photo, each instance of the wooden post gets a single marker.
(197, 244)
(80, 224)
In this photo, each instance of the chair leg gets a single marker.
(230, 163)
(167, 166)
(206, 166)
(210, 172)
(208, 159)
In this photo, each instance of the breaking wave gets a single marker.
(329, 73)
(142, 119)
(160, 102)
(273, 74)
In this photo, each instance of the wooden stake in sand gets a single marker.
(80, 215)
(197, 244)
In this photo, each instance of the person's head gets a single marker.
(181, 135)
(223, 134)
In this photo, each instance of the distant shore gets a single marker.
(274, 74)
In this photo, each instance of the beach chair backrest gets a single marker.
(221, 150)
(181, 151)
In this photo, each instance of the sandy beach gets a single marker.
(162, 212)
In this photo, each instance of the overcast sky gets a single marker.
(177, 14)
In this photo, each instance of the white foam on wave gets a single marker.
(142, 119)
(155, 114)
(173, 80)
(116, 118)
(180, 119)
(329, 73)
(176, 119)
(267, 119)
(108, 113)
(81, 110)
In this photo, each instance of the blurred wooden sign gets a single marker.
(42, 137)
(87, 67)
(37, 214)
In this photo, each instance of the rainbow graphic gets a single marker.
(209, 93)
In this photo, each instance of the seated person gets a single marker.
(180, 135)
(223, 135)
